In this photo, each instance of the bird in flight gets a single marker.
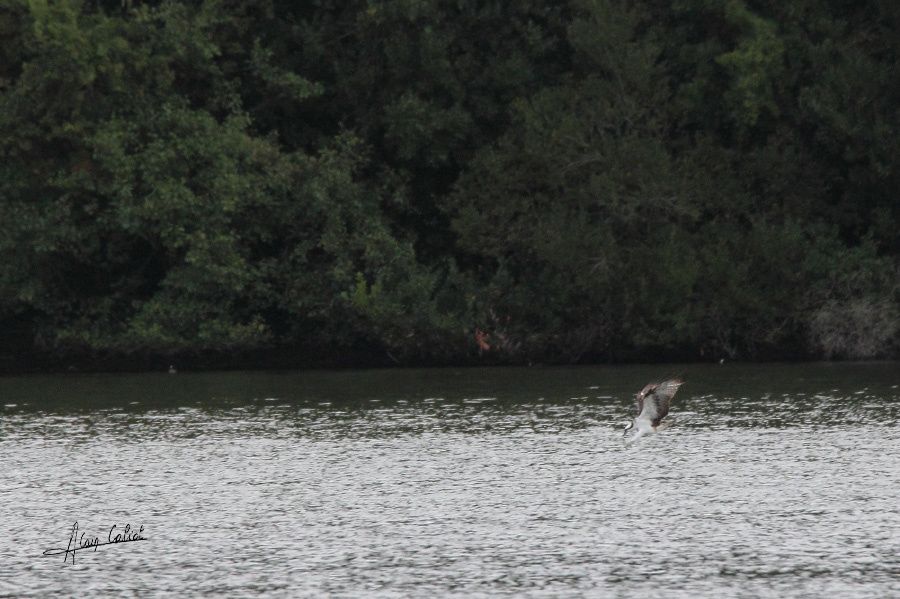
(652, 406)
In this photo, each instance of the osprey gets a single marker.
(652, 406)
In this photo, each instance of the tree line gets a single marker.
(449, 181)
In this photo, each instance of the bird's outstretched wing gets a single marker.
(653, 402)
(663, 394)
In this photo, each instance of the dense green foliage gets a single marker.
(450, 181)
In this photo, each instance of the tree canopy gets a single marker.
(435, 181)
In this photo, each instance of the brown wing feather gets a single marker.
(663, 394)
(648, 388)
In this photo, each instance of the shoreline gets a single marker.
(38, 363)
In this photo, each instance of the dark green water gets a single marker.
(777, 480)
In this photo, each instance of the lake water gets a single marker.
(777, 480)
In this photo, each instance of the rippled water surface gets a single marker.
(774, 481)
